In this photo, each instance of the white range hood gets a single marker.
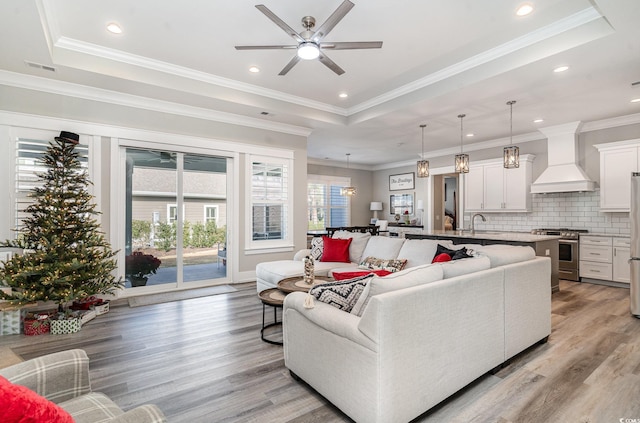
(563, 174)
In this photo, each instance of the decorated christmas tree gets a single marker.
(65, 255)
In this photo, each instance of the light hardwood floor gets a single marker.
(202, 360)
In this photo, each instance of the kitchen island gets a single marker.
(544, 245)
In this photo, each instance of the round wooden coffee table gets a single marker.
(297, 284)
(271, 297)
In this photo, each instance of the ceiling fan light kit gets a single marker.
(309, 43)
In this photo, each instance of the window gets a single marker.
(270, 202)
(172, 213)
(326, 207)
(29, 153)
(211, 214)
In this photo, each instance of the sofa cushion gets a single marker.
(21, 404)
(404, 279)
(342, 294)
(419, 251)
(392, 265)
(92, 407)
(269, 273)
(383, 247)
(460, 267)
(500, 255)
(358, 243)
(335, 249)
(316, 248)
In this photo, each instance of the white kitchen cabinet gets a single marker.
(621, 254)
(595, 257)
(617, 161)
(489, 187)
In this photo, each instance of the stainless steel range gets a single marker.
(568, 250)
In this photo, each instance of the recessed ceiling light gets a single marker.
(561, 69)
(524, 10)
(343, 95)
(254, 69)
(114, 28)
(538, 120)
(471, 135)
(636, 100)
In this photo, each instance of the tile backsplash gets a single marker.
(574, 210)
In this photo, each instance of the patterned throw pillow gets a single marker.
(343, 294)
(316, 247)
(392, 265)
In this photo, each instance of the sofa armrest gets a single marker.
(144, 414)
(328, 318)
(301, 254)
(58, 377)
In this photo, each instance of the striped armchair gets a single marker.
(63, 378)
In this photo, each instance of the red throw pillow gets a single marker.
(336, 249)
(21, 405)
(340, 276)
(440, 258)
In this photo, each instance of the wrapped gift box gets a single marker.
(9, 319)
(36, 324)
(87, 316)
(101, 308)
(61, 327)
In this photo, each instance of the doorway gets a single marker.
(445, 202)
(176, 219)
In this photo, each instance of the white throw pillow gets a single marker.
(383, 247)
(358, 243)
(399, 280)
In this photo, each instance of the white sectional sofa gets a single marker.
(415, 251)
(418, 336)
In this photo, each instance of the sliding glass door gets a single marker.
(176, 219)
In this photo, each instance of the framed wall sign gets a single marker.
(402, 181)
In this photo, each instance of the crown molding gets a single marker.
(53, 86)
(611, 123)
(570, 22)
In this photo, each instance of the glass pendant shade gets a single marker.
(462, 163)
(423, 168)
(511, 157)
(423, 165)
(511, 154)
(348, 191)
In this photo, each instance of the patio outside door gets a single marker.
(176, 213)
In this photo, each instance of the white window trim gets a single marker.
(210, 206)
(331, 180)
(268, 245)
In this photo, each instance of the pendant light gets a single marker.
(348, 191)
(462, 160)
(423, 165)
(511, 154)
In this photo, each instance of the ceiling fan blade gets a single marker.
(286, 28)
(332, 20)
(330, 64)
(265, 47)
(354, 45)
(291, 64)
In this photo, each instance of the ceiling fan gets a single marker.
(309, 43)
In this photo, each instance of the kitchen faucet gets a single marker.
(473, 218)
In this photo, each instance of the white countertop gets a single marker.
(611, 235)
(504, 236)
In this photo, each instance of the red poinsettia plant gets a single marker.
(139, 264)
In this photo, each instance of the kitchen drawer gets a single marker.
(594, 270)
(622, 242)
(595, 240)
(595, 253)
